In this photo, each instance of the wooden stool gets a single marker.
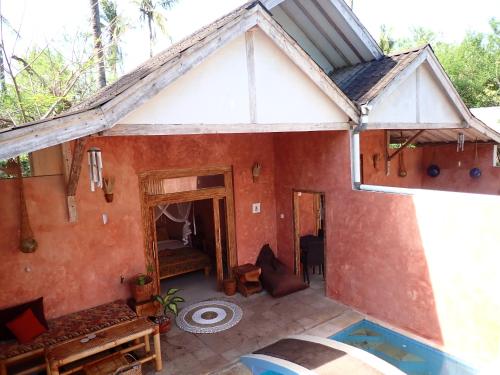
(247, 279)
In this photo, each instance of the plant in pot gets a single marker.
(142, 287)
(169, 304)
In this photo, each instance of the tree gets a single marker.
(151, 14)
(386, 41)
(95, 19)
(114, 25)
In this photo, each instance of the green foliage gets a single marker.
(169, 301)
(473, 65)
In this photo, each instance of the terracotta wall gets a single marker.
(307, 217)
(455, 169)
(425, 263)
(373, 146)
(79, 265)
(454, 166)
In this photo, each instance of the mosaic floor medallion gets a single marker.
(209, 317)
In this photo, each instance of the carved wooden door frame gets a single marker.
(148, 183)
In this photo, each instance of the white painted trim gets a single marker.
(179, 129)
(416, 126)
(50, 133)
(365, 357)
(282, 363)
(252, 85)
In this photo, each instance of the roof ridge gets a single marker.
(410, 50)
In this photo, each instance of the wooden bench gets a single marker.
(62, 329)
(113, 337)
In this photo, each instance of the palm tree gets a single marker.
(96, 30)
(115, 25)
(151, 13)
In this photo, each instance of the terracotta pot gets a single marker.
(229, 286)
(142, 293)
(163, 321)
(108, 197)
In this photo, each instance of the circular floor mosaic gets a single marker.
(209, 317)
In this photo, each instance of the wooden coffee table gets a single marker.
(74, 350)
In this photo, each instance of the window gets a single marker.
(496, 156)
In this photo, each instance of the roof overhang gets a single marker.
(109, 108)
(328, 30)
(472, 128)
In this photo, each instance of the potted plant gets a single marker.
(142, 287)
(169, 304)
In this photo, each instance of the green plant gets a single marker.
(169, 301)
(143, 279)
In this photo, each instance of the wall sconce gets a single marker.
(95, 167)
(256, 169)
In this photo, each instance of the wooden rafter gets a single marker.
(404, 145)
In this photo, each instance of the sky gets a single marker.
(45, 21)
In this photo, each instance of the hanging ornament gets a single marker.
(460, 142)
(433, 170)
(475, 172)
(95, 167)
(402, 168)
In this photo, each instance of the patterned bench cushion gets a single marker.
(72, 325)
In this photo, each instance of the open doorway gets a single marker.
(188, 221)
(309, 236)
(187, 245)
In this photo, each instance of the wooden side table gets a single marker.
(247, 279)
(74, 350)
(148, 308)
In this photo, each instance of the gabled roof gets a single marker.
(367, 84)
(364, 82)
(112, 103)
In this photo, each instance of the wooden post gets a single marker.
(218, 245)
(156, 343)
(72, 168)
(147, 345)
(296, 231)
(3, 368)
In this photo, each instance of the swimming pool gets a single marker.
(410, 356)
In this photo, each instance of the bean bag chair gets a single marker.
(275, 276)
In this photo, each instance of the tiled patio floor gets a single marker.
(265, 320)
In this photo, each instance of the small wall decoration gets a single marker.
(433, 170)
(108, 187)
(256, 169)
(95, 167)
(475, 173)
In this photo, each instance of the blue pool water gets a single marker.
(408, 355)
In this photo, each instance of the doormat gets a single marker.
(209, 317)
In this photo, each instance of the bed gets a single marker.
(175, 258)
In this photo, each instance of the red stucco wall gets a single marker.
(455, 177)
(79, 265)
(454, 166)
(425, 263)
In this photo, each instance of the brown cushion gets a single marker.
(275, 276)
(10, 313)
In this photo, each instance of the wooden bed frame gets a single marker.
(180, 261)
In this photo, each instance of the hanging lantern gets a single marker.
(433, 170)
(475, 173)
(95, 167)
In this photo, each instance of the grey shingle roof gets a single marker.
(363, 82)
